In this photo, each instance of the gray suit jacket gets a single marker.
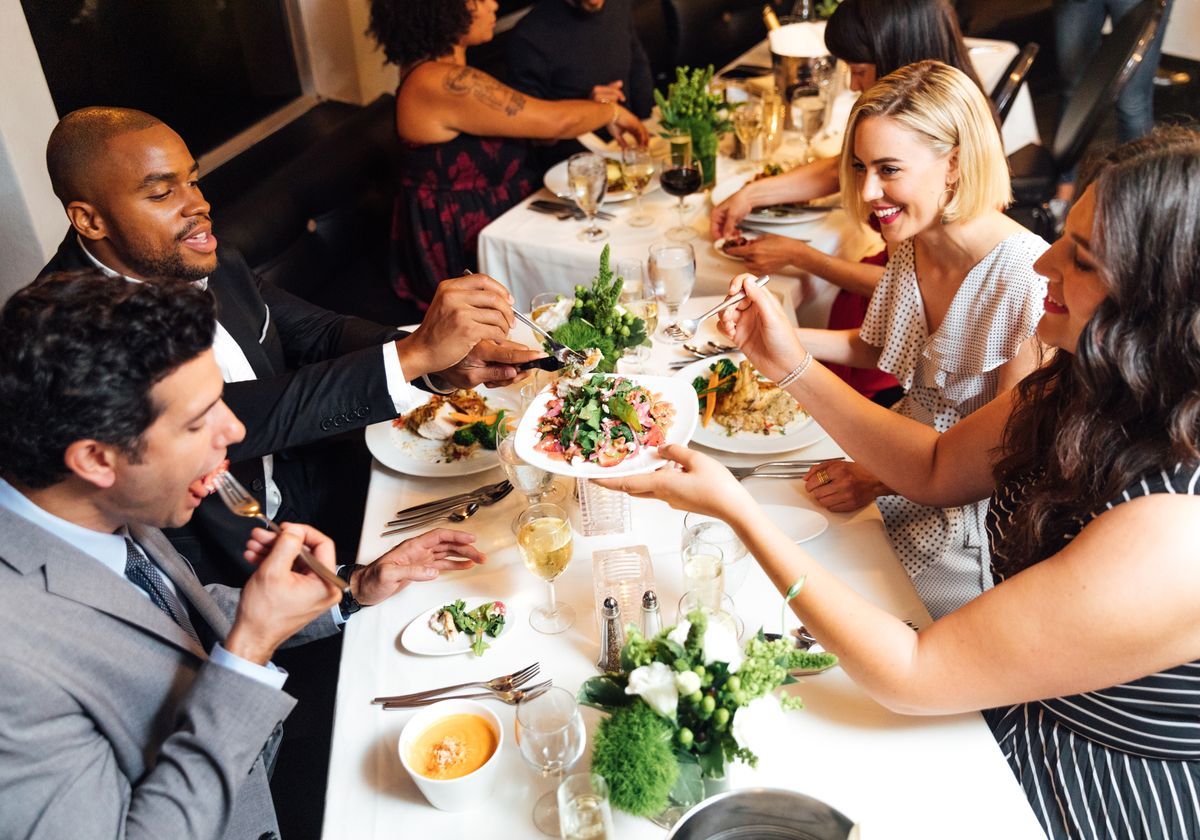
(113, 723)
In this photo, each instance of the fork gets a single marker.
(505, 683)
(241, 503)
(512, 697)
(686, 330)
(558, 350)
(449, 501)
(779, 469)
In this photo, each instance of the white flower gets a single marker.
(721, 644)
(655, 683)
(687, 683)
(679, 634)
(757, 724)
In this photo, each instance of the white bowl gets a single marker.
(467, 791)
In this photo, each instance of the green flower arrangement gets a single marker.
(683, 706)
(691, 105)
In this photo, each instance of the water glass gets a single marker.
(704, 573)
(587, 179)
(672, 276)
(546, 542)
(808, 116)
(632, 279)
(736, 559)
(637, 167)
(724, 614)
(583, 809)
(551, 736)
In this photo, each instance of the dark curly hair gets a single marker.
(894, 33)
(1127, 402)
(79, 354)
(418, 30)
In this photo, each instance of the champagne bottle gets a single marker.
(770, 18)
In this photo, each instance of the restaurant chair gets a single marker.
(703, 32)
(1036, 169)
(1005, 93)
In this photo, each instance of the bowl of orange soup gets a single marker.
(450, 749)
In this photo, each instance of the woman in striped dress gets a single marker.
(1086, 653)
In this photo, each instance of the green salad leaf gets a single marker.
(485, 620)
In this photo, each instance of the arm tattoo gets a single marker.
(464, 81)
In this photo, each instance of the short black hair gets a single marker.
(418, 30)
(79, 355)
(80, 139)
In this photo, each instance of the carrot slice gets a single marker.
(467, 419)
(710, 399)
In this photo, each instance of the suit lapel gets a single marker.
(187, 585)
(242, 322)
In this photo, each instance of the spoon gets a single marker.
(457, 515)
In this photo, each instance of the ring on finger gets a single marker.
(824, 477)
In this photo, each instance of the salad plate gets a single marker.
(671, 390)
(797, 435)
(419, 638)
(403, 451)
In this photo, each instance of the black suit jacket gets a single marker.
(319, 374)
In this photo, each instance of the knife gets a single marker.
(545, 204)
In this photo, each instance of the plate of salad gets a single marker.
(451, 434)
(741, 412)
(459, 626)
(606, 426)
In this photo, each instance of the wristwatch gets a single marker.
(349, 605)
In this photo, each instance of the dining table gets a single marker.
(533, 252)
(894, 775)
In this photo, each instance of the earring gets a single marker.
(950, 190)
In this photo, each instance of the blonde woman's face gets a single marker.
(900, 178)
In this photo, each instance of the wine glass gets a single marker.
(808, 116)
(772, 121)
(546, 543)
(747, 122)
(681, 177)
(551, 736)
(583, 809)
(704, 573)
(672, 275)
(587, 179)
(536, 483)
(700, 528)
(637, 167)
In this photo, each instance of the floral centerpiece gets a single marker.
(594, 318)
(684, 704)
(690, 104)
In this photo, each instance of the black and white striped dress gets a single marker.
(1121, 762)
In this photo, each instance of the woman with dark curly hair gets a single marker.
(463, 136)
(1086, 653)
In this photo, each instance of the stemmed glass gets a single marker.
(536, 483)
(673, 275)
(637, 168)
(551, 736)
(546, 542)
(747, 121)
(587, 179)
(736, 560)
(772, 121)
(808, 116)
(681, 177)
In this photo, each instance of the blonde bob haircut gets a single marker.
(945, 108)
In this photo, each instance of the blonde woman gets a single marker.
(954, 313)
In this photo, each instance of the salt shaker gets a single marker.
(651, 620)
(611, 637)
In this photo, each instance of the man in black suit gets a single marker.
(296, 374)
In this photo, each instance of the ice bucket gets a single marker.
(761, 813)
(798, 57)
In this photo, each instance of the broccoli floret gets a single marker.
(466, 435)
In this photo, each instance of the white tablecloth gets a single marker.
(532, 252)
(899, 777)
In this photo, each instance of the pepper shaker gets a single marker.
(651, 619)
(611, 637)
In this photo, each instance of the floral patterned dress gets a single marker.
(448, 193)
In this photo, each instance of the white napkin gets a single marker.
(800, 40)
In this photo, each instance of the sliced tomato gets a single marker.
(654, 436)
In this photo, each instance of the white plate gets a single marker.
(792, 217)
(675, 391)
(555, 180)
(719, 247)
(799, 434)
(800, 524)
(411, 454)
(418, 637)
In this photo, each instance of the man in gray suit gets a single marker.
(135, 702)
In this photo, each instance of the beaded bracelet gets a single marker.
(797, 371)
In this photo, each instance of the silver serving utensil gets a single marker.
(461, 514)
(505, 683)
(512, 697)
(484, 496)
(558, 350)
(682, 330)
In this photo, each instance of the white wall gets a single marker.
(1183, 30)
(344, 63)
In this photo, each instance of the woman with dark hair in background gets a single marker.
(874, 37)
(1086, 654)
(463, 136)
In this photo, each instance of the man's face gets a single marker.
(184, 444)
(153, 219)
(588, 6)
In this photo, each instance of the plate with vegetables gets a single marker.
(606, 426)
(451, 434)
(741, 411)
(456, 627)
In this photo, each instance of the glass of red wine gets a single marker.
(680, 177)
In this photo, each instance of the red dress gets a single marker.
(847, 313)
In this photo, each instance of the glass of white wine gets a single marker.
(637, 166)
(583, 809)
(546, 542)
(587, 179)
(772, 122)
(704, 573)
(747, 123)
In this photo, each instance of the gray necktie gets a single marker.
(147, 577)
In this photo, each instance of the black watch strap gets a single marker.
(349, 605)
